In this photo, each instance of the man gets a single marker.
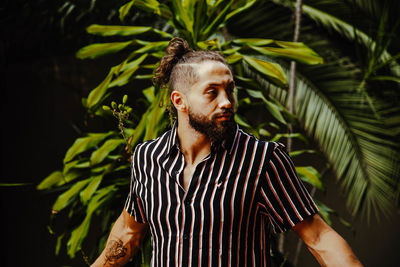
(208, 192)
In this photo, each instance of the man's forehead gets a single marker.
(212, 68)
(206, 73)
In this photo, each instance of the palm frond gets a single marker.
(361, 148)
(350, 31)
(349, 20)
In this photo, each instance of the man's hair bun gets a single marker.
(177, 47)
(175, 50)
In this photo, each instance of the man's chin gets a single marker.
(217, 129)
(224, 130)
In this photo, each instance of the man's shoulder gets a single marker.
(271, 145)
(149, 145)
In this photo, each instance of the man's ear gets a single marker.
(178, 100)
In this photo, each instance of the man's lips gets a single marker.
(224, 116)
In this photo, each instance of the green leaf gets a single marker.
(212, 44)
(239, 10)
(248, 83)
(124, 78)
(234, 58)
(272, 107)
(385, 78)
(302, 53)
(346, 224)
(105, 168)
(217, 22)
(274, 111)
(69, 165)
(256, 94)
(128, 69)
(68, 196)
(151, 122)
(75, 164)
(83, 144)
(155, 7)
(80, 233)
(88, 192)
(77, 236)
(143, 77)
(96, 50)
(152, 47)
(122, 168)
(101, 196)
(200, 17)
(183, 16)
(58, 244)
(301, 152)
(264, 132)
(13, 184)
(149, 94)
(310, 175)
(53, 179)
(112, 30)
(124, 10)
(72, 175)
(325, 212)
(97, 93)
(155, 116)
(253, 41)
(272, 71)
(298, 136)
(100, 154)
(163, 34)
(230, 51)
(241, 121)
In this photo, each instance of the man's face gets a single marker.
(211, 101)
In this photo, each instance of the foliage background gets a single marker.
(41, 116)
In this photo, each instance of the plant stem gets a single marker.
(296, 35)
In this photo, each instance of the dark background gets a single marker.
(42, 84)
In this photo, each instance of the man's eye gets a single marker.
(212, 92)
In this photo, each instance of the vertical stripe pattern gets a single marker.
(223, 219)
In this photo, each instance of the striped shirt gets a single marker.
(241, 190)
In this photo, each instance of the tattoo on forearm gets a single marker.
(115, 251)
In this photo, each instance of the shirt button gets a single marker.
(176, 172)
(185, 236)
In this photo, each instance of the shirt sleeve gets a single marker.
(133, 203)
(283, 194)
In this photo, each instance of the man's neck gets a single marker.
(195, 146)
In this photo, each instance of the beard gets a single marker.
(217, 132)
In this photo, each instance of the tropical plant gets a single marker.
(334, 107)
(353, 119)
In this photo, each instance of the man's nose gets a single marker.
(224, 101)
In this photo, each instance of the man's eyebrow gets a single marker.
(221, 83)
(214, 84)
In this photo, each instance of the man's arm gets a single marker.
(327, 246)
(123, 242)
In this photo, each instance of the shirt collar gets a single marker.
(228, 144)
(173, 140)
